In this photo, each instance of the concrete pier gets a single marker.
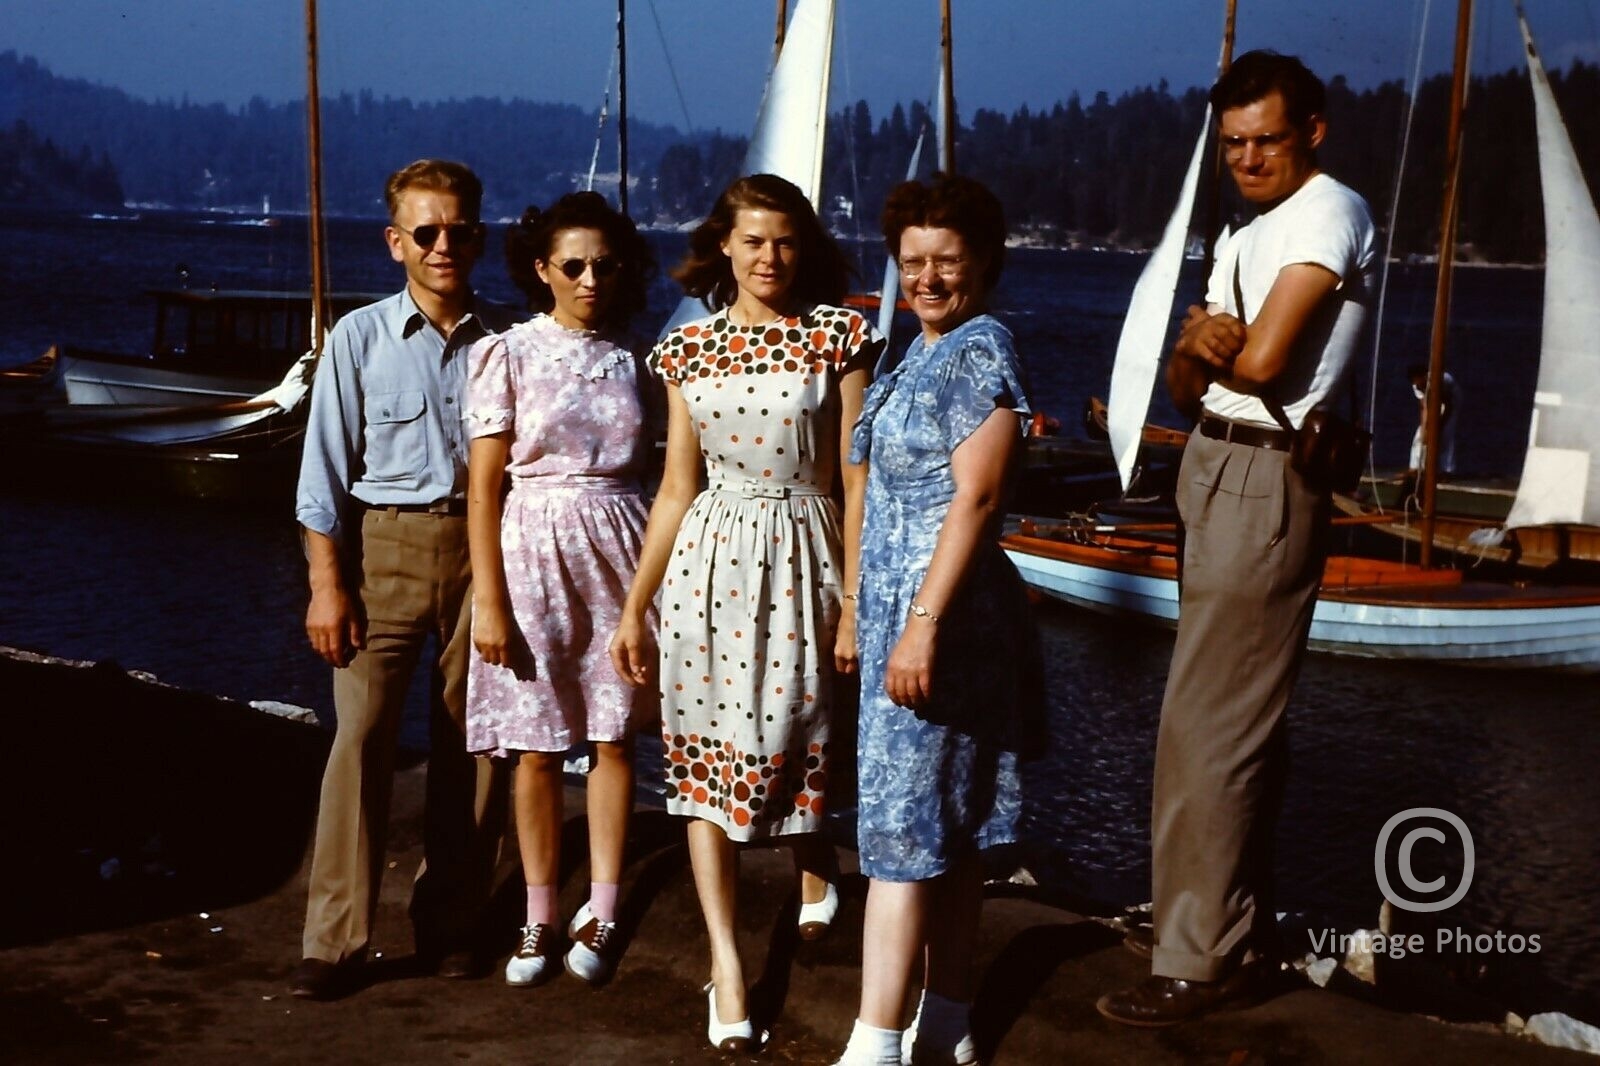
(155, 843)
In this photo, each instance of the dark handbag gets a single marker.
(1329, 452)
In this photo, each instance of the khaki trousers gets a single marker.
(415, 583)
(1254, 544)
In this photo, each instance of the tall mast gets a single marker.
(783, 22)
(1214, 201)
(947, 132)
(1441, 300)
(622, 106)
(319, 278)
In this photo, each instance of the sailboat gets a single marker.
(1380, 609)
(218, 404)
(792, 119)
(1551, 515)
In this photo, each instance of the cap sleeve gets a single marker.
(668, 359)
(859, 344)
(984, 374)
(491, 394)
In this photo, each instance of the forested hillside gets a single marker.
(1102, 172)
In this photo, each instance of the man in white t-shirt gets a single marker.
(1287, 308)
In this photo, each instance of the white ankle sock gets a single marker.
(870, 1046)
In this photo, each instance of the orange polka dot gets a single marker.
(736, 344)
(741, 816)
(679, 686)
(701, 795)
(819, 339)
(758, 440)
(778, 690)
(734, 438)
(684, 788)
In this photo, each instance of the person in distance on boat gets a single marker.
(382, 500)
(951, 692)
(561, 406)
(1417, 375)
(1287, 306)
(753, 630)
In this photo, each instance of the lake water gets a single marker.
(213, 598)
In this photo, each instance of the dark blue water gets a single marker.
(213, 599)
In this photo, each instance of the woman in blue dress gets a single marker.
(948, 657)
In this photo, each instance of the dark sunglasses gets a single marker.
(427, 235)
(604, 267)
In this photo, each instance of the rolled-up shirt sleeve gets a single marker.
(331, 461)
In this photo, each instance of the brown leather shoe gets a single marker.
(1161, 1001)
(320, 979)
(1141, 940)
(463, 964)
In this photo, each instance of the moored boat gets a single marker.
(208, 346)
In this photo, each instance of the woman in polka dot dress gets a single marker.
(761, 396)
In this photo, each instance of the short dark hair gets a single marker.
(1256, 75)
(955, 203)
(438, 175)
(530, 238)
(822, 271)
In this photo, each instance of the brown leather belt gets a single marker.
(1273, 440)
(452, 507)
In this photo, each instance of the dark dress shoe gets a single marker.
(1141, 940)
(1161, 1001)
(320, 979)
(459, 965)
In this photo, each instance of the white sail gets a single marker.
(889, 295)
(941, 122)
(1560, 477)
(1144, 330)
(788, 135)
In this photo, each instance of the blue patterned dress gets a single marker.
(938, 784)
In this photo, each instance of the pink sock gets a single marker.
(541, 904)
(603, 901)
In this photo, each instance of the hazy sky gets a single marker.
(1008, 52)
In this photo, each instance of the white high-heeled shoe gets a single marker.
(816, 918)
(738, 1036)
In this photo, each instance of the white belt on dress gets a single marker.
(755, 488)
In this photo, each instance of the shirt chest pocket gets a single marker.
(397, 437)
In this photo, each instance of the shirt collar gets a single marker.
(409, 319)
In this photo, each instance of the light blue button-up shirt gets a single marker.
(385, 422)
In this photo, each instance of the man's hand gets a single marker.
(1214, 339)
(335, 625)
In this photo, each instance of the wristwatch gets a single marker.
(922, 612)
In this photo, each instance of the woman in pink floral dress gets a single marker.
(560, 407)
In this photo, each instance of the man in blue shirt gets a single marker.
(382, 503)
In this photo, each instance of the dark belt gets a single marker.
(1274, 440)
(452, 507)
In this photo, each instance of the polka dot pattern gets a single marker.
(750, 601)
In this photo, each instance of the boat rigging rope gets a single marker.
(688, 123)
(1419, 37)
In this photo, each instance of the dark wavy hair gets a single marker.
(530, 238)
(1255, 75)
(822, 274)
(950, 202)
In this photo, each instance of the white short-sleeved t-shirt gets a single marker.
(1325, 223)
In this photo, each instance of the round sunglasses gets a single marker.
(427, 235)
(604, 267)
